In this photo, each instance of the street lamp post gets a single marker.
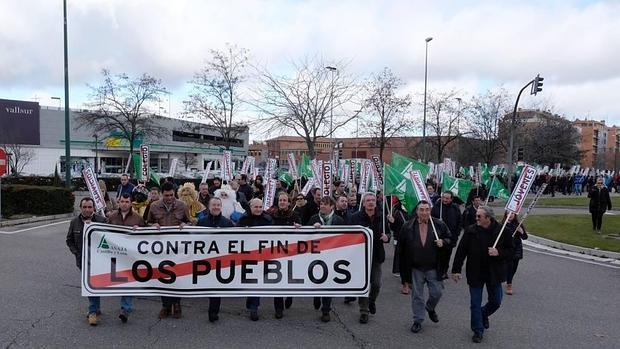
(458, 129)
(331, 119)
(425, 83)
(67, 128)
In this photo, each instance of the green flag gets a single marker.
(154, 177)
(404, 164)
(485, 175)
(285, 177)
(399, 186)
(137, 165)
(305, 170)
(458, 187)
(498, 190)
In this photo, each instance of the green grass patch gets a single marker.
(576, 230)
(561, 200)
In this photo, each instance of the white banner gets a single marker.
(522, 187)
(292, 166)
(420, 187)
(364, 177)
(229, 262)
(346, 173)
(328, 178)
(226, 165)
(377, 171)
(205, 175)
(309, 185)
(270, 193)
(254, 172)
(146, 161)
(173, 167)
(270, 170)
(93, 187)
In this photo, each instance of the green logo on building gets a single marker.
(103, 244)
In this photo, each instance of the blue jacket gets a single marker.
(215, 221)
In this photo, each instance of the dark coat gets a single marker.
(344, 214)
(310, 209)
(599, 199)
(285, 217)
(406, 246)
(481, 267)
(74, 236)
(375, 223)
(250, 220)
(469, 216)
(451, 215)
(517, 239)
(219, 221)
(336, 220)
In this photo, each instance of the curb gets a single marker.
(12, 222)
(573, 248)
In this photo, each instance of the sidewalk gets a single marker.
(534, 240)
(12, 222)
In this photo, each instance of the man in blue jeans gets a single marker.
(486, 266)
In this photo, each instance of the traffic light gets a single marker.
(519, 154)
(340, 154)
(537, 86)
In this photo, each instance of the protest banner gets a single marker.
(227, 262)
(519, 193)
(226, 165)
(146, 160)
(270, 169)
(173, 167)
(377, 170)
(270, 193)
(248, 163)
(205, 175)
(420, 190)
(364, 176)
(93, 187)
(292, 166)
(327, 179)
(532, 204)
(311, 183)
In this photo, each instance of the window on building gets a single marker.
(182, 136)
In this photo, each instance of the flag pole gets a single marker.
(486, 202)
(434, 229)
(501, 231)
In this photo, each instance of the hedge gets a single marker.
(78, 184)
(36, 200)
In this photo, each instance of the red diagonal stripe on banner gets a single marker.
(326, 243)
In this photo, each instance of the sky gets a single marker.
(476, 46)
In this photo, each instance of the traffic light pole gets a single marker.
(512, 136)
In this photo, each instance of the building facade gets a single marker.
(192, 144)
(600, 144)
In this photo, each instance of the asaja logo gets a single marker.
(103, 244)
(106, 247)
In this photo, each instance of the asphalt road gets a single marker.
(558, 303)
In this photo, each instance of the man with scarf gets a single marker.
(326, 216)
(371, 217)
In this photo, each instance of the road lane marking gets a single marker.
(572, 258)
(32, 228)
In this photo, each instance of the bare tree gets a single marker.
(484, 114)
(18, 156)
(124, 105)
(386, 112)
(188, 160)
(552, 140)
(443, 121)
(215, 96)
(305, 101)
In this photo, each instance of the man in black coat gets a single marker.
(342, 205)
(420, 261)
(599, 203)
(469, 214)
(255, 218)
(74, 242)
(486, 265)
(371, 217)
(449, 213)
(214, 219)
(326, 216)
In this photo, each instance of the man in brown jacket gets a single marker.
(125, 216)
(167, 212)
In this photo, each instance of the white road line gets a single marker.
(32, 228)
(572, 258)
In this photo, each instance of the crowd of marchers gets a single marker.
(424, 239)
